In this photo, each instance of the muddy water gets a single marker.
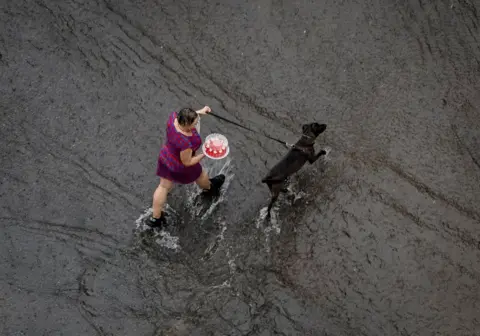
(382, 237)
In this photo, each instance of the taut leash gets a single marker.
(251, 130)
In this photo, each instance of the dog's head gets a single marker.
(313, 130)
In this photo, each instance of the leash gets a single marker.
(251, 130)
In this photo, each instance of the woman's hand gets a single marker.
(204, 110)
(187, 158)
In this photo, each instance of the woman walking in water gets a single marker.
(178, 161)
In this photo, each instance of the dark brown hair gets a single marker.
(186, 116)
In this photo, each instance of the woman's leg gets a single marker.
(206, 183)
(203, 181)
(160, 196)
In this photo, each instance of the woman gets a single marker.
(178, 161)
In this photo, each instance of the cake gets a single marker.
(216, 146)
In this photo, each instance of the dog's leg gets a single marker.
(315, 157)
(272, 201)
(285, 185)
(275, 191)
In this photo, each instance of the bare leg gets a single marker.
(210, 186)
(203, 181)
(160, 196)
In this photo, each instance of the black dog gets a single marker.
(300, 153)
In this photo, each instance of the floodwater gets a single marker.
(382, 237)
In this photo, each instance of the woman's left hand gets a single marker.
(204, 110)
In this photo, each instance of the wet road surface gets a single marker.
(383, 236)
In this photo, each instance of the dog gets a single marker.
(301, 152)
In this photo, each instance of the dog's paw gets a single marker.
(298, 197)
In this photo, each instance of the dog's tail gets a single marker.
(270, 179)
(267, 177)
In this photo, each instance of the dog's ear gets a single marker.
(305, 128)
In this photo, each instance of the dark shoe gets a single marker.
(157, 222)
(216, 183)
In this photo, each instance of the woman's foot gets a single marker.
(216, 183)
(157, 222)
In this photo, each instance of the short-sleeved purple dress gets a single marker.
(169, 165)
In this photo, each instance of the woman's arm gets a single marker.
(189, 160)
(197, 127)
(201, 112)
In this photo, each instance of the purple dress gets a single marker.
(169, 165)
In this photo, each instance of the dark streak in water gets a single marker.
(462, 144)
(427, 190)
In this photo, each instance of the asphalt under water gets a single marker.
(383, 236)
